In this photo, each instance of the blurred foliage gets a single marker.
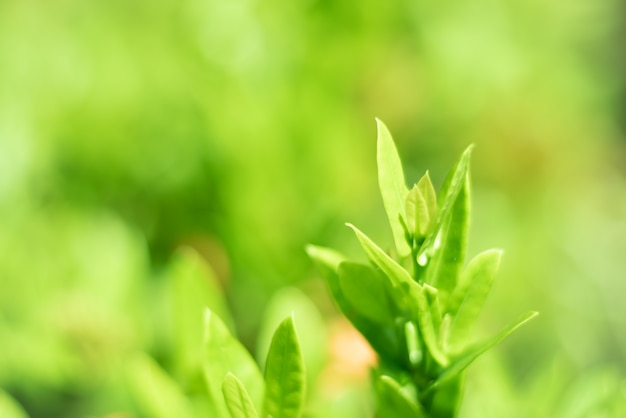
(245, 129)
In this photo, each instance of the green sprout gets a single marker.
(417, 310)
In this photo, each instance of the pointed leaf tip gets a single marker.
(392, 186)
(284, 373)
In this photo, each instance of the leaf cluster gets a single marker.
(418, 309)
(216, 375)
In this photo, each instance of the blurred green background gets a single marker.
(245, 129)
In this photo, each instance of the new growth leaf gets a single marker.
(418, 313)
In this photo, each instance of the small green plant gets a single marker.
(278, 394)
(417, 310)
(234, 385)
(215, 375)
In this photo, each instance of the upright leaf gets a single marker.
(454, 181)
(425, 185)
(450, 245)
(224, 354)
(237, 398)
(287, 301)
(469, 297)
(284, 374)
(421, 207)
(448, 237)
(392, 186)
(417, 216)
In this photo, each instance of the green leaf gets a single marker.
(469, 297)
(447, 241)
(466, 358)
(156, 393)
(453, 244)
(287, 301)
(365, 289)
(408, 294)
(284, 373)
(223, 354)
(392, 186)
(9, 408)
(400, 279)
(237, 398)
(425, 185)
(417, 216)
(421, 207)
(195, 287)
(393, 402)
(384, 341)
(454, 182)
